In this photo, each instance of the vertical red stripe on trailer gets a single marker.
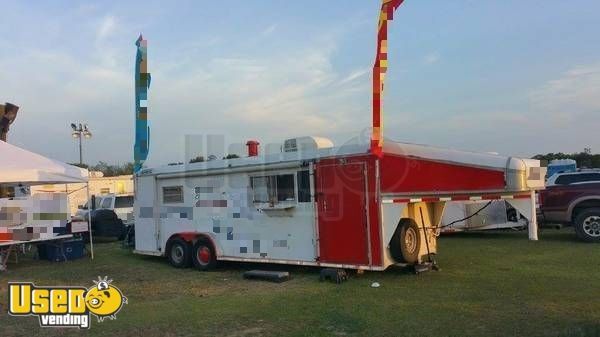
(379, 69)
(374, 213)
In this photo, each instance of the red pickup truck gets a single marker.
(573, 199)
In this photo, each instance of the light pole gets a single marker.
(80, 131)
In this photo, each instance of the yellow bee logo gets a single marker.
(104, 300)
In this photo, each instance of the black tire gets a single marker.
(104, 216)
(123, 234)
(203, 255)
(395, 249)
(400, 249)
(511, 215)
(410, 241)
(587, 225)
(179, 253)
(106, 223)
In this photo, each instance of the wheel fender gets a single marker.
(578, 201)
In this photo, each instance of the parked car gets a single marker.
(573, 199)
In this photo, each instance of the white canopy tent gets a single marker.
(19, 166)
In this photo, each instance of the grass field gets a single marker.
(492, 284)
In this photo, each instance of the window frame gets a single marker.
(308, 193)
(268, 182)
(272, 184)
(104, 200)
(293, 189)
(123, 197)
(576, 178)
(179, 200)
(588, 178)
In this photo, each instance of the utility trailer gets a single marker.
(481, 215)
(318, 205)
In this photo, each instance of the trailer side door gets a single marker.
(342, 216)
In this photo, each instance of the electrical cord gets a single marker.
(469, 217)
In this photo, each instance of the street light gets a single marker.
(80, 130)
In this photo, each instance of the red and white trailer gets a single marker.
(357, 206)
(319, 205)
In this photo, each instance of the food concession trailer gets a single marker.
(314, 204)
(363, 206)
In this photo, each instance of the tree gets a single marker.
(113, 170)
(127, 168)
(198, 159)
(584, 159)
(231, 156)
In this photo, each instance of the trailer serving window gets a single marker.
(285, 188)
(303, 178)
(263, 188)
(172, 194)
(274, 188)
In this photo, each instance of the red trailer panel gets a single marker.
(342, 213)
(409, 175)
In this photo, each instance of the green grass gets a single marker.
(493, 284)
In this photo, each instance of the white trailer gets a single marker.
(319, 205)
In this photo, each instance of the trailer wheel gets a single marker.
(204, 256)
(406, 241)
(587, 225)
(410, 241)
(179, 253)
(395, 249)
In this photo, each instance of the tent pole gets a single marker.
(89, 216)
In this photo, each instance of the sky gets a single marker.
(514, 77)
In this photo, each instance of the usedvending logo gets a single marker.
(66, 306)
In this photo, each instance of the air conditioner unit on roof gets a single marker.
(304, 144)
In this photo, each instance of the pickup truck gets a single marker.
(122, 205)
(112, 215)
(573, 199)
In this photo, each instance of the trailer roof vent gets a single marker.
(310, 143)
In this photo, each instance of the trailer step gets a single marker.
(273, 276)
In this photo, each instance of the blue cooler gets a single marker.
(58, 251)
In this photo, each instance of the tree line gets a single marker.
(584, 159)
(110, 170)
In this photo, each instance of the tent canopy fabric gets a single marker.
(21, 166)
